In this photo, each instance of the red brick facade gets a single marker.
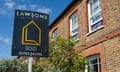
(104, 41)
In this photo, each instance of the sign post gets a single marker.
(30, 36)
(30, 64)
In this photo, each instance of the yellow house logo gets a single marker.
(25, 35)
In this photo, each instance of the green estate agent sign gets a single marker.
(30, 37)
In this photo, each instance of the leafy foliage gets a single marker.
(62, 58)
(12, 65)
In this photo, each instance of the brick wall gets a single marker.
(105, 41)
(96, 50)
(63, 23)
(112, 54)
(111, 18)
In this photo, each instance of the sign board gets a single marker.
(30, 36)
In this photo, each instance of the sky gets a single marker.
(7, 9)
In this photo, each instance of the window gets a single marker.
(74, 26)
(93, 64)
(55, 34)
(94, 15)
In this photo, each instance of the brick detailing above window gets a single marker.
(99, 40)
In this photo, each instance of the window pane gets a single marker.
(74, 26)
(95, 6)
(94, 1)
(96, 25)
(95, 14)
(96, 17)
(94, 63)
(74, 21)
(91, 8)
(75, 31)
(94, 68)
(55, 34)
(75, 37)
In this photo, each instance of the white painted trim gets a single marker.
(90, 16)
(71, 25)
(98, 61)
(100, 27)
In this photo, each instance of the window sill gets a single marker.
(101, 27)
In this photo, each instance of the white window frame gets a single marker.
(90, 16)
(89, 65)
(72, 28)
(55, 34)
